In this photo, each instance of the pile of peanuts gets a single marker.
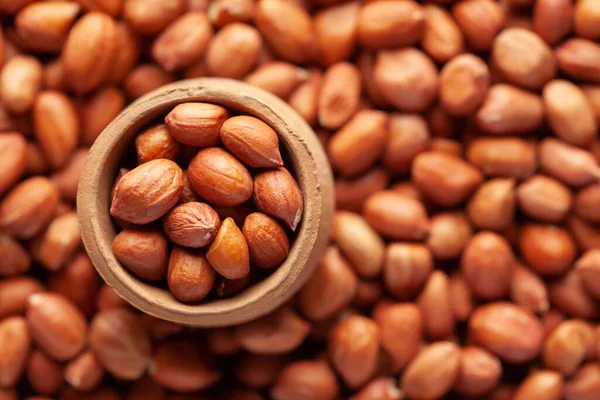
(240, 225)
(465, 253)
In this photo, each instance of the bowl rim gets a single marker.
(309, 165)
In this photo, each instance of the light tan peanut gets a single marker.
(225, 12)
(85, 372)
(304, 380)
(20, 82)
(396, 216)
(567, 163)
(126, 55)
(142, 252)
(479, 372)
(578, 58)
(406, 268)
(543, 384)
(464, 82)
(548, 249)
(435, 305)
(505, 157)
(564, 349)
(336, 32)
(59, 242)
(15, 342)
(305, 98)
(240, 39)
(339, 95)
(529, 291)
(145, 78)
(267, 241)
(13, 151)
(44, 374)
(461, 297)
(588, 268)
(586, 19)
(98, 110)
(14, 259)
(277, 77)
(493, 204)
(277, 193)
(152, 17)
(552, 19)
(352, 193)
(442, 38)
(408, 136)
(544, 198)
(190, 276)
(78, 281)
(569, 295)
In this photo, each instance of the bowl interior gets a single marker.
(305, 158)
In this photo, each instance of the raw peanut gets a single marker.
(442, 38)
(506, 157)
(36, 162)
(433, 372)
(390, 24)
(406, 268)
(287, 29)
(383, 388)
(15, 342)
(258, 370)
(305, 98)
(408, 136)
(56, 126)
(56, 325)
(277, 77)
(436, 308)
(360, 142)
(569, 164)
(252, 141)
(551, 319)
(353, 349)
(151, 17)
(188, 194)
(366, 65)
(112, 7)
(569, 294)
(14, 259)
(552, 19)
(14, 293)
(78, 282)
(330, 289)
(542, 384)
(279, 332)
(306, 380)
(535, 64)
(192, 224)
(126, 55)
(142, 252)
(508, 331)
(196, 124)
(108, 298)
(219, 177)
(448, 235)
(579, 59)
(464, 82)
(480, 21)
(350, 194)
(361, 245)
(479, 372)
(407, 78)
(182, 366)
(588, 267)
(529, 291)
(147, 192)
(53, 76)
(445, 179)
(13, 152)
(564, 349)
(190, 276)
(585, 203)
(67, 179)
(545, 199)
(45, 26)
(29, 207)
(493, 204)
(156, 142)
(160, 328)
(20, 82)
(222, 342)
(548, 249)
(85, 372)
(267, 241)
(570, 114)
(121, 343)
(368, 293)
(585, 385)
(240, 39)
(60, 242)
(44, 374)
(145, 78)
(227, 12)
(587, 19)
(508, 110)
(461, 297)
(184, 41)
(339, 95)
(400, 320)
(589, 335)
(336, 31)
(228, 254)
(396, 216)
(98, 110)
(88, 51)
(586, 235)
(276, 193)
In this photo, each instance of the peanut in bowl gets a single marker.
(303, 155)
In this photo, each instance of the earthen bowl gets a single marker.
(305, 157)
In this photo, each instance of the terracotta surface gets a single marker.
(307, 161)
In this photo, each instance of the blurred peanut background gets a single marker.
(465, 254)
